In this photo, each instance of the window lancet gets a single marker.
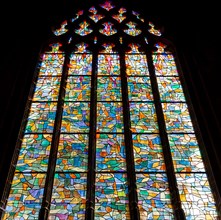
(109, 132)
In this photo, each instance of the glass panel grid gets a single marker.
(195, 194)
(24, 201)
(111, 193)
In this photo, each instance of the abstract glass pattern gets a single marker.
(78, 14)
(134, 48)
(120, 17)
(108, 29)
(95, 126)
(154, 201)
(196, 196)
(177, 117)
(68, 196)
(137, 15)
(148, 154)
(132, 30)
(109, 65)
(170, 89)
(107, 5)
(154, 31)
(154, 196)
(110, 152)
(34, 153)
(111, 193)
(47, 89)
(139, 88)
(78, 88)
(109, 88)
(136, 65)
(25, 197)
(80, 64)
(62, 29)
(84, 29)
(185, 153)
(72, 153)
(143, 117)
(51, 64)
(27, 187)
(164, 64)
(41, 117)
(95, 17)
(109, 117)
(75, 117)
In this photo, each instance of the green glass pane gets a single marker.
(143, 117)
(185, 153)
(170, 89)
(68, 196)
(154, 200)
(109, 117)
(72, 152)
(41, 117)
(34, 153)
(111, 196)
(24, 201)
(75, 117)
(139, 89)
(148, 155)
(110, 152)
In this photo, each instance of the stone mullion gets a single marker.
(175, 197)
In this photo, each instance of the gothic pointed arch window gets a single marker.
(109, 131)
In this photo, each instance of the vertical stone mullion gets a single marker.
(175, 197)
(92, 142)
(131, 175)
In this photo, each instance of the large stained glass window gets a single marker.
(108, 131)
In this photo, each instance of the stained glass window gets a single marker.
(108, 131)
